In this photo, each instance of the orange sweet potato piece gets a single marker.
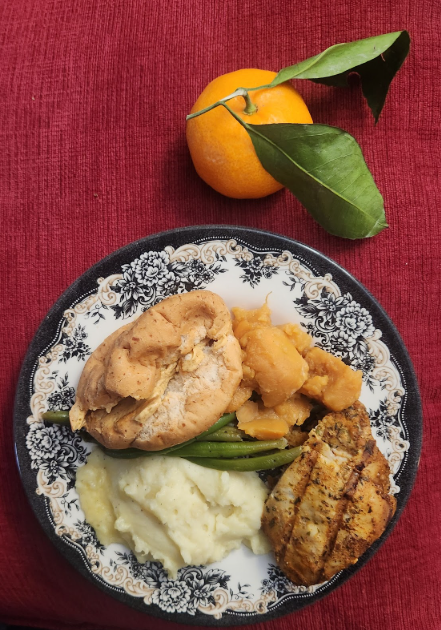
(295, 410)
(299, 337)
(279, 369)
(267, 424)
(247, 412)
(331, 381)
(272, 364)
(244, 320)
(262, 429)
(240, 396)
(260, 423)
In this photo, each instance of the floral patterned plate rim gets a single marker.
(244, 266)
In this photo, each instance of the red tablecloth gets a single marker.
(93, 98)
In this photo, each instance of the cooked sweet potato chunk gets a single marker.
(272, 364)
(279, 369)
(331, 381)
(266, 423)
(240, 396)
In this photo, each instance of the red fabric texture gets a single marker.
(93, 98)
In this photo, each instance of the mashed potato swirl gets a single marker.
(172, 510)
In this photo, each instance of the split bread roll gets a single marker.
(162, 379)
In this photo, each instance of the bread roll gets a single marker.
(163, 378)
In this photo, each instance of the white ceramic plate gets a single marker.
(243, 266)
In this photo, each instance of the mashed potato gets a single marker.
(171, 510)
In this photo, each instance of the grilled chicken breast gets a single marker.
(332, 503)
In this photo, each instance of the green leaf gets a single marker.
(324, 168)
(375, 59)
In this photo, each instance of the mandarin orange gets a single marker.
(221, 149)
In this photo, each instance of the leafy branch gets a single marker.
(323, 166)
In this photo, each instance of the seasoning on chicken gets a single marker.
(332, 503)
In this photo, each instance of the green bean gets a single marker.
(132, 453)
(228, 450)
(226, 434)
(223, 420)
(56, 417)
(264, 462)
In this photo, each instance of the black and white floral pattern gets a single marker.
(340, 326)
(152, 277)
(277, 581)
(63, 397)
(96, 312)
(55, 451)
(256, 269)
(74, 345)
(382, 420)
(293, 281)
(192, 588)
(88, 536)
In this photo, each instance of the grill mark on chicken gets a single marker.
(366, 516)
(326, 510)
(305, 552)
(282, 505)
(348, 494)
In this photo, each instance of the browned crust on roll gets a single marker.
(162, 379)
